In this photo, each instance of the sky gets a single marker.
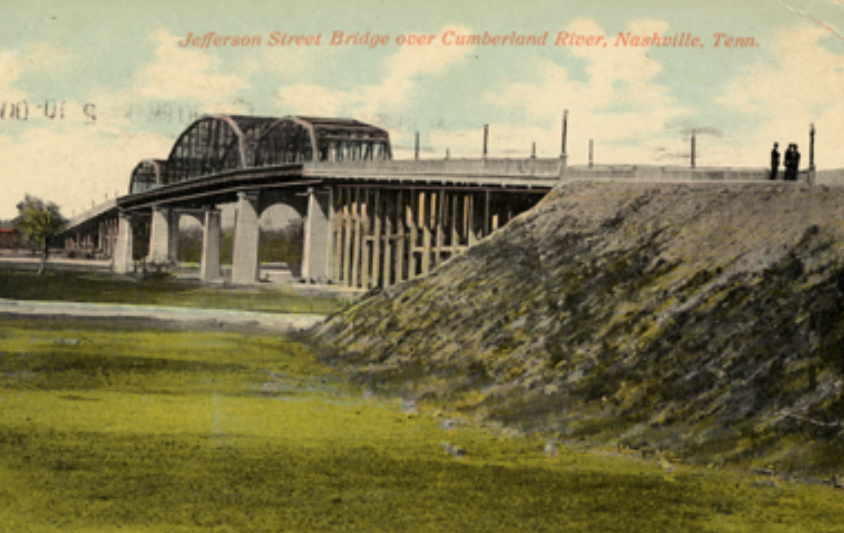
(89, 89)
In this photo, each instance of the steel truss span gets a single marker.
(225, 143)
(149, 174)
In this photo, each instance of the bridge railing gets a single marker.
(551, 168)
(91, 213)
(543, 168)
(672, 173)
(833, 177)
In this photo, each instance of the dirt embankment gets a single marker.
(704, 318)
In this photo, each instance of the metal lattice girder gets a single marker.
(216, 144)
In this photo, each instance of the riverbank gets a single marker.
(83, 285)
(139, 428)
(703, 319)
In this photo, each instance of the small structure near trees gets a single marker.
(9, 238)
(38, 222)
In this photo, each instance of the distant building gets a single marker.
(9, 237)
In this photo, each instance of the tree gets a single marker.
(39, 221)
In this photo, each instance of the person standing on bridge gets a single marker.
(787, 161)
(795, 163)
(775, 161)
(791, 162)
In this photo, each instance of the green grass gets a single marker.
(102, 288)
(147, 431)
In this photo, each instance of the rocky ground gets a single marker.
(705, 319)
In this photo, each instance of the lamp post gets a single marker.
(812, 147)
(565, 131)
(693, 148)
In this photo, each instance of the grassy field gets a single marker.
(171, 431)
(104, 288)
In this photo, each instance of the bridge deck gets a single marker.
(541, 174)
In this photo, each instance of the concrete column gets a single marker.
(411, 215)
(173, 236)
(438, 222)
(455, 223)
(317, 245)
(387, 245)
(487, 214)
(365, 234)
(426, 208)
(123, 261)
(113, 245)
(348, 224)
(471, 236)
(210, 268)
(377, 238)
(338, 222)
(399, 256)
(357, 227)
(159, 238)
(247, 233)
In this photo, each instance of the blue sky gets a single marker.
(129, 89)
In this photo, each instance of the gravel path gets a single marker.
(201, 317)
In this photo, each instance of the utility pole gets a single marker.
(693, 148)
(812, 147)
(486, 139)
(417, 146)
(565, 131)
(591, 154)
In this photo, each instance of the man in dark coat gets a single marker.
(787, 161)
(795, 163)
(775, 161)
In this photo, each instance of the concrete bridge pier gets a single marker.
(107, 236)
(164, 235)
(123, 261)
(317, 243)
(247, 234)
(210, 267)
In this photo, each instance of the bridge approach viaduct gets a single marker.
(369, 220)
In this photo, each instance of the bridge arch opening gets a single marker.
(190, 230)
(281, 241)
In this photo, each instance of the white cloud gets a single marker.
(192, 74)
(616, 76)
(44, 56)
(9, 72)
(805, 85)
(290, 62)
(404, 70)
(72, 165)
(76, 160)
(315, 100)
(37, 57)
(619, 101)
(162, 86)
